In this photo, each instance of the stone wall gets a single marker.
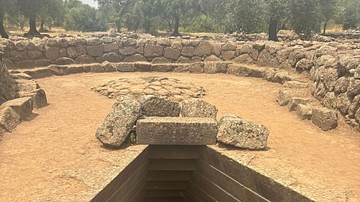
(333, 67)
(7, 83)
(61, 51)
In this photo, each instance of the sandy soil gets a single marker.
(56, 157)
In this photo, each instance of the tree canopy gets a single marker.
(305, 17)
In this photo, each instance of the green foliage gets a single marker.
(244, 16)
(83, 18)
(202, 23)
(305, 17)
(351, 14)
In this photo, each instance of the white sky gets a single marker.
(92, 3)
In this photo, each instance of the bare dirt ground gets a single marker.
(56, 157)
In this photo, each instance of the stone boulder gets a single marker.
(324, 118)
(119, 122)
(195, 107)
(238, 132)
(157, 106)
(9, 119)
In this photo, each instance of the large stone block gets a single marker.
(324, 118)
(22, 106)
(172, 53)
(9, 119)
(204, 48)
(95, 51)
(153, 50)
(52, 53)
(238, 132)
(119, 122)
(176, 131)
(38, 97)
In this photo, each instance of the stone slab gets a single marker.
(176, 131)
(22, 106)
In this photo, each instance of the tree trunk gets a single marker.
(325, 26)
(42, 25)
(273, 29)
(176, 28)
(33, 31)
(2, 29)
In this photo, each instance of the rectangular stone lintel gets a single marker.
(176, 131)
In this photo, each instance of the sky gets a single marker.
(92, 3)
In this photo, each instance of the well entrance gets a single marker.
(192, 173)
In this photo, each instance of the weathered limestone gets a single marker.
(38, 97)
(176, 131)
(157, 106)
(304, 112)
(22, 106)
(198, 108)
(237, 132)
(324, 118)
(7, 83)
(9, 119)
(119, 122)
(296, 101)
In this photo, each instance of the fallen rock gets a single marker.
(195, 107)
(119, 122)
(324, 118)
(237, 132)
(157, 106)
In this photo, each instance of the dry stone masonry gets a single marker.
(154, 120)
(159, 86)
(18, 96)
(333, 66)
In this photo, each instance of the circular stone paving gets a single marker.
(164, 87)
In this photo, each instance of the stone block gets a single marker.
(304, 112)
(143, 67)
(215, 67)
(9, 119)
(22, 106)
(240, 133)
(38, 97)
(246, 70)
(204, 48)
(64, 61)
(39, 73)
(296, 101)
(163, 67)
(195, 107)
(157, 106)
(125, 67)
(95, 51)
(176, 131)
(153, 50)
(135, 58)
(172, 53)
(324, 118)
